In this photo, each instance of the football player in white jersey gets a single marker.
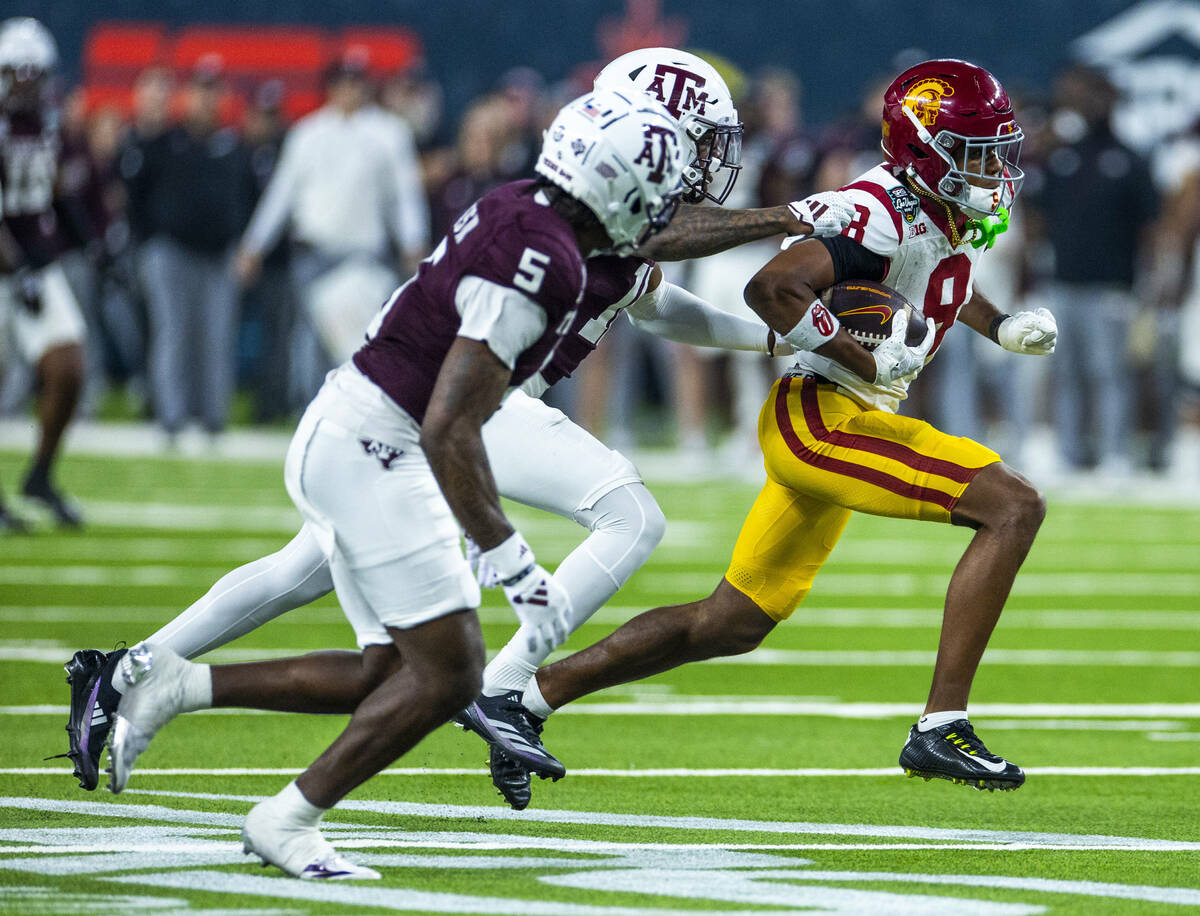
(538, 456)
(831, 440)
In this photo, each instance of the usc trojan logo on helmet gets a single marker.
(924, 99)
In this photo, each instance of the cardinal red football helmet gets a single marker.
(948, 123)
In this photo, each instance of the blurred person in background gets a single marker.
(417, 98)
(271, 299)
(86, 215)
(1095, 210)
(348, 190)
(473, 167)
(117, 324)
(40, 319)
(189, 198)
(523, 98)
(1175, 368)
(152, 93)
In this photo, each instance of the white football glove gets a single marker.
(1033, 332)
(485, 573)
(828, 212)
(894, 359)
(541, 604)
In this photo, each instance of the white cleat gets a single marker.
(300, 851)
(154, 678)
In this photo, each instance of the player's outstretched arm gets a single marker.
(674, 313)
(697, 232)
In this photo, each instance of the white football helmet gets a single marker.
(697, 97)
(28, 55)
(621, 157)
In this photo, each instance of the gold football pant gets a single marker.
(827, 455)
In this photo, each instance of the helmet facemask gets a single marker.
(718, 147)
(982, 174)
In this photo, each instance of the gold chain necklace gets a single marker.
(955, 238)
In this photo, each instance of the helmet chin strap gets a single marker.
(922, 132)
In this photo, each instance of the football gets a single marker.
(865, 309)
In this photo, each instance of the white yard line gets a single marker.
(335, 820)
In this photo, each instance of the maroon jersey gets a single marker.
(508, 238)
(29, 154)
(612, 284)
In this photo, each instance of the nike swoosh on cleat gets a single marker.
(993, 767)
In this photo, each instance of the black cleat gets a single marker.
(94, 705)
(954, 752)
(504, 722)
(65, 513)
(510, 777)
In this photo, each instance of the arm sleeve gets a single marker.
(274, 207)
(410, 219)
(509, 322)
(851, 261)
(674, 313)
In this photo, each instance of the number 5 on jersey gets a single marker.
(531, 271)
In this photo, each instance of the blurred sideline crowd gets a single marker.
(254, 255)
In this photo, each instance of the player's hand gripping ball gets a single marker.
(865, 310)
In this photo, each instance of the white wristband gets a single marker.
(817, 327)
(510, 559)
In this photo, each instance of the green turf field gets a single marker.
(764, 784)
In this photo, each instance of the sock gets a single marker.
(197, 688)
(296, 810)
(935, 719)
(534, 701)
(511, 669)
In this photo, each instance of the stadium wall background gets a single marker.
(836, 48)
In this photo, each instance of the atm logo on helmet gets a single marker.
(657, 151)
(924, 99)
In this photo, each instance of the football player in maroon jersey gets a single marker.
(38, 311)
(388, 461)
